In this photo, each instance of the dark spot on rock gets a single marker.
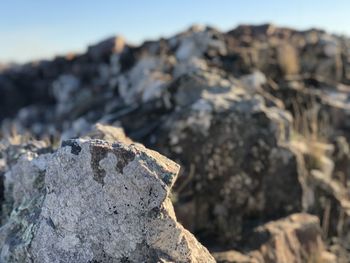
(98, 152)
(167, 178)
(115, 212)
(124, 157)
(75, 148)
(2, 190)
(125, 260)
(101, 257)
(153, 255)
(39, 182)
(50, 223)
(142, 205)
(258, 238)
(154, 212)
(15, 239)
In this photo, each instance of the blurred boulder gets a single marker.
(234, 164)
(104, 49)
(296, 238)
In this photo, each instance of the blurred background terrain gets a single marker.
(42, 30)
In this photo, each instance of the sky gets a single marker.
(37, 29)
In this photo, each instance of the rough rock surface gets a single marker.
(92, 201)
(233, 256)
(297, 238)
(227, 182)
(109, 133)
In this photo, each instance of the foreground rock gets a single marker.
(92, 201)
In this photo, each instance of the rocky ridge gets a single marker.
(256, 117)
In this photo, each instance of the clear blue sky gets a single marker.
(31, 29)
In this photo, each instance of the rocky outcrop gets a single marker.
(257, 117)
(93, 201)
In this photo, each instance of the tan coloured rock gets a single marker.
(296, 238)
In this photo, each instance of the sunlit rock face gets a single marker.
(93, 201)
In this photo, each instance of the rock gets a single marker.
(83, 129)
(233, 256)
(109, 133)
(2, 187)
(331, 204)
(341, 156)
(198, 40)
(105, 48)
(234, 165)
(296, 238)
(95, 201)
(64, 90)
(145, 81)
(15, 184)
(254, 81)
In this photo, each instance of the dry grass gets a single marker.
(312, 130)
(13, 137)
(310, 133)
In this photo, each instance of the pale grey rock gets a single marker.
(24, 176)
(96, 202)
(197, 41)
(253, 81)
(64, 88)
(193, 64)
(145, 81)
